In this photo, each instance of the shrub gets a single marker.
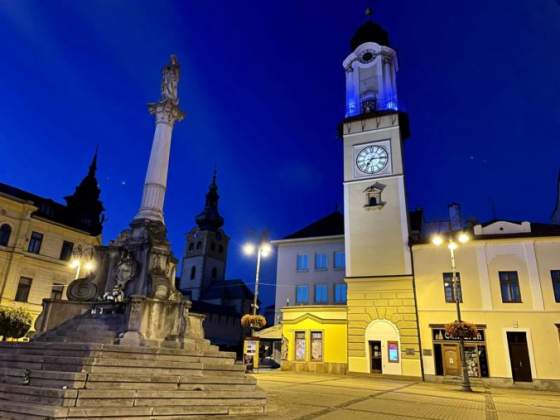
(253, 321)
(14, 323)
(463, 329)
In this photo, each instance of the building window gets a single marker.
(321, 293)
(193, 272)
(339, 262)
(214, 273)
(555, 274)
(66, 251)
(373, 196)
(302, 263)
(5, 232)
(302, 295)
(35, 242)
(300, 345)
(509, 285)
(449, 289)
(56, 291)
(24, 286)
(198, 245)
(213, 246)
(321, 262)
(316, 346)
(340, 293)
(191, 246)
(220, 249)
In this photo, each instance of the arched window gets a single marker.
(214, 273)
(220, 249)
(5, 232)
(191, 246)
(198, 245)
(213, 246)
(193, 272)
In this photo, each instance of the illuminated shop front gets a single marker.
(447, 356)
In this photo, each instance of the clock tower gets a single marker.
(382, 326)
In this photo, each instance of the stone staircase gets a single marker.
(54, 379)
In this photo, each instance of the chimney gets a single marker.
(455, 220)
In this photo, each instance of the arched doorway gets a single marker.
(383, 343)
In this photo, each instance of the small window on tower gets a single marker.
(373, 196)
(214, 274)
(193, 272)
(191, 246)
(198, 245)
(220, 249)
(213, 246)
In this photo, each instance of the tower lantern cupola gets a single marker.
(370, 71)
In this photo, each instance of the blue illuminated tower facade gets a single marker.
(370, 72)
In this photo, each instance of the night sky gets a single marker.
(263, 88)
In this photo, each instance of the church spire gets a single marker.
(210, 218)
(84, 208)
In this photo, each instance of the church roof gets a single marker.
(330, 225)
(46, 208)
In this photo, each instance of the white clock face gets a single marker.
(372, 159)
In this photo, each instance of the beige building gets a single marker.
(39, 238)
(510, 288)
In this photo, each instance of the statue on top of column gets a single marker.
(169, 81)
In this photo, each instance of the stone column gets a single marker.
(166, 112)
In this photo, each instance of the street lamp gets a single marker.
(452, 245)
(82, 258)
(263, 250)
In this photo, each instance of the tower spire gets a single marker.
(210, 218)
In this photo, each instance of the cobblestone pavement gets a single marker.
(303, 396)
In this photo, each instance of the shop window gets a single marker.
(509, 285)
(339, 261)
(302, 295)
(56, 291)
(321, 293)
(449, 289)
(340, 293)
(66, 251)
(5, 232)
(555, 274)
(393, 351)
(302, 263)
(316, 346)
(321, 262)
(35, 242)
(300, 345)
(24, 286)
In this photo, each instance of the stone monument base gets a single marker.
(60, 380)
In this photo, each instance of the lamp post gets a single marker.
(452, 245)
(82, 258)
(263, 250)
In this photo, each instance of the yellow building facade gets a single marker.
(510, 288)
(38, 238)
(314, 339)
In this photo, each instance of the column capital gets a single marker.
(166, 111)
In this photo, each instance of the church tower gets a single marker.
(381, 303)
(204, 261)
(84, 208)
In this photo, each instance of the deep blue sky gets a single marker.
(263, 88)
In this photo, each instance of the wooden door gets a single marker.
(519, 357)
(451, 360)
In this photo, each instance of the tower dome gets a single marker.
(369, 32)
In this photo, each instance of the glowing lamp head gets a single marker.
(452, 246)
(89, 266)
(437, 240)
(74, 263)
(266, 249)
(463, 238)
(248, 249)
